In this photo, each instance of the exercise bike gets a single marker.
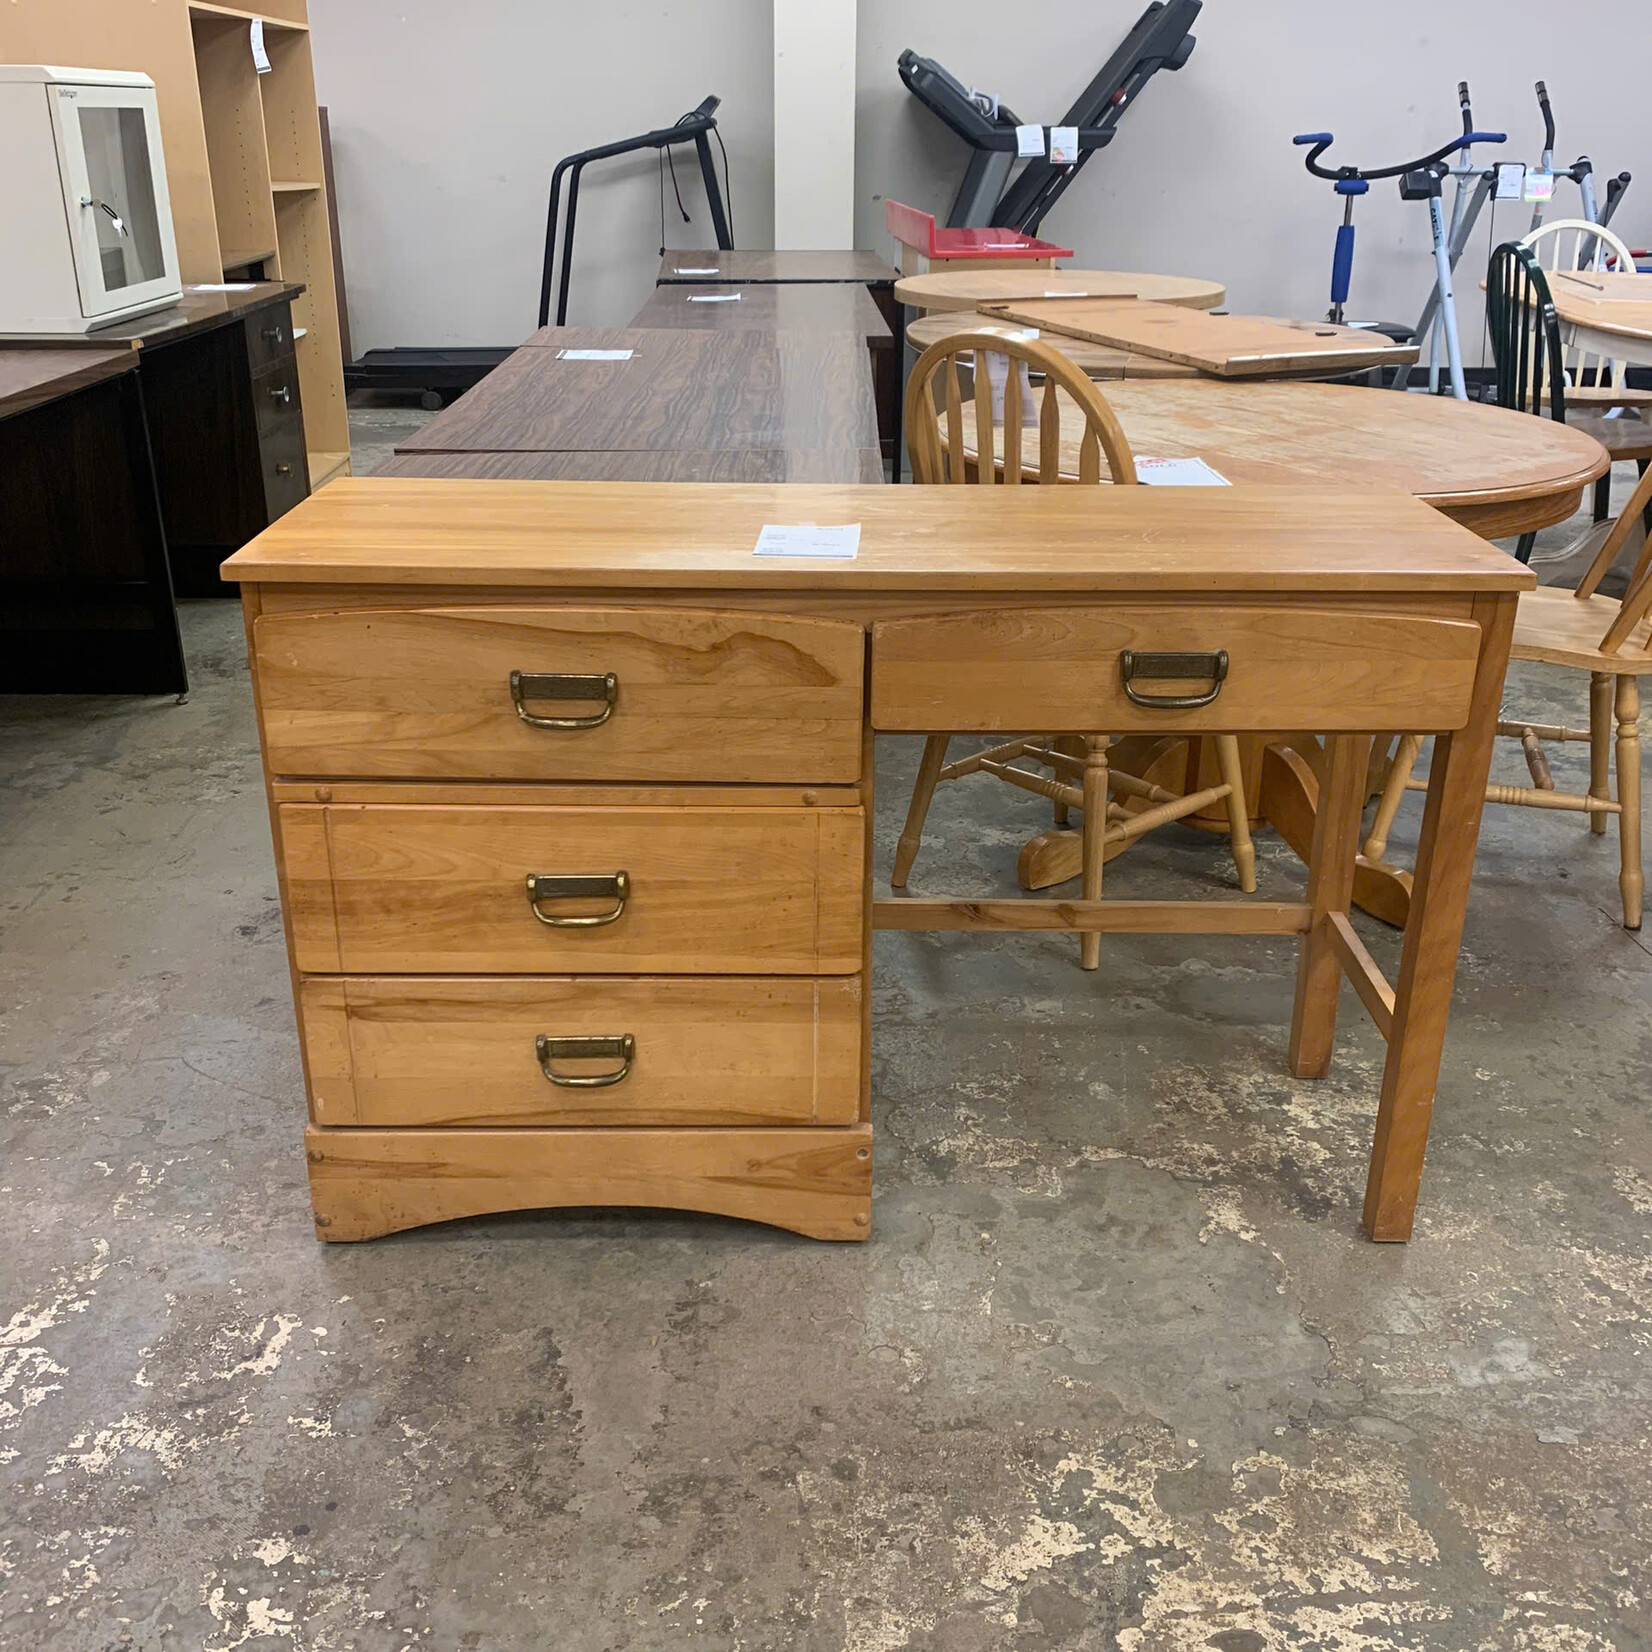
(1420, 180)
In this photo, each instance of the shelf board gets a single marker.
(325, 467)
(285, 187)
(236, 259)
(202, 8)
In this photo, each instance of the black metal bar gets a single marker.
(714, 194)
(568, 245)
(548, 273)
(172, 673)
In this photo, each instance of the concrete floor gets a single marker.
(1116, 1369)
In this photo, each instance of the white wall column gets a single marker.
(814, 123)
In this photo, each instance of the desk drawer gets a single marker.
(707, 891)
(275, 395)
(429, 693)
(270, 337)
(1289, 668)
(708, 1051)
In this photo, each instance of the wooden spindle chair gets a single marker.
(945, 449)
(1560, 627)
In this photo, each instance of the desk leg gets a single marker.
(1330, 889)
(1428, 963)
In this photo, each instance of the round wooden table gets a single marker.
(1098, 361)
(1498, 472)
(964, 289)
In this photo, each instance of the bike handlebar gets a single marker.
(1321, 141)
(1548, 117)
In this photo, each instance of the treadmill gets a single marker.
(987, 198)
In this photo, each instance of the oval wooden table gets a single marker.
(1498, 472)
(1098, 361)
(964, 289)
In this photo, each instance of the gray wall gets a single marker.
(446, 122)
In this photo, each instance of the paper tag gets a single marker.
(221, 286)
(260, 58)
(1540, 186)
(986, 102)
(683, 269)
(714, 298)
(1511, 181)
(1029, 141)
(593, 355)
(1063, 145)
(1178, 473)
(841, 544)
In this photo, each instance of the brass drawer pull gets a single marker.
(545, 887)
(560, 686)
(622, 1049)
(1213, 665)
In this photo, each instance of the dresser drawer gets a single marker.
(658, 1050)
(1288, 668)
(275, 396)
(286, 467)
(640, 694)
(705, 891)
(270, 337)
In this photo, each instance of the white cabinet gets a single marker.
(88, 224)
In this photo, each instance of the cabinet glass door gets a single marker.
(115, 192)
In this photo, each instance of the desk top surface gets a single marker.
(965, 289)
(767, 464)
(31, 378)
(756, 264)
(199, 309)
(570, 535)
(807, 307)
(679, 389)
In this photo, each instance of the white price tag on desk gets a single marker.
(1063, 146)
(806, 539)
(1178, 473)
(714, 298)
(1029, 141)
(683, 269)
(593, 355)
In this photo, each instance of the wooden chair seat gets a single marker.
(1557, 627)
(1625, 439)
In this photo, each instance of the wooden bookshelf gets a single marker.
(243, 157)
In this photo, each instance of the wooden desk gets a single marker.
(679, 391)
(226, 418)
(674, 465)
(705, 805)
(805, 269)
(85, 587)
(965, 289)
(771, 307)
(747, 264)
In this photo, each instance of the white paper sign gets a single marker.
(806, 539)
(220, 286)
(260, 58)
(714, 298)
(593, 355)
(1178, 473)
(1511, 181)
(684, 270)
(1064, 146)
(1540, 186)
(1029, 141)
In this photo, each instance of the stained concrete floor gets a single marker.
(1115, 1370)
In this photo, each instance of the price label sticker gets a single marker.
(1029, 141)
(260, 57)
(808, 539)
(1064, 146)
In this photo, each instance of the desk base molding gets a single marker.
(367, 1183)
(1097, 917)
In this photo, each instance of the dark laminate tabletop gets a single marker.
(767, 464)
(805, 307)
(199, 309)
(755, 264)
(31, 378)
(679, 390)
